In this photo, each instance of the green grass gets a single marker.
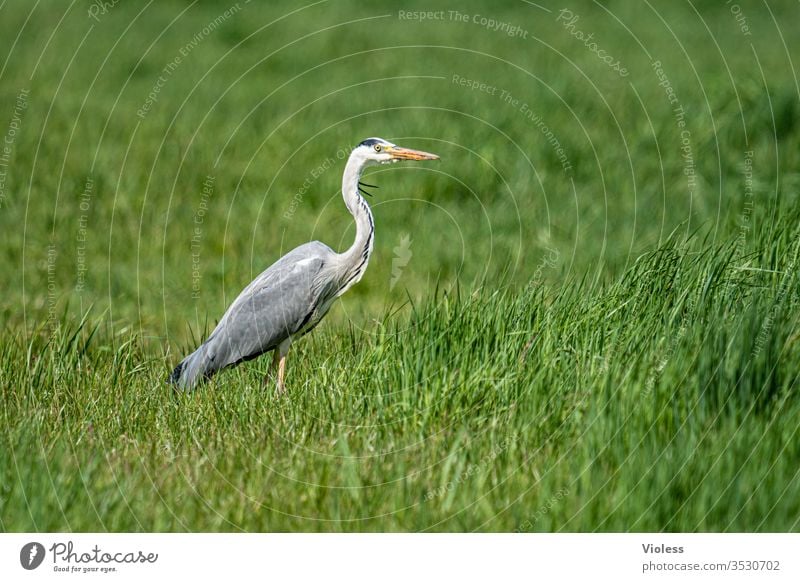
(666, 400)
(610, 348)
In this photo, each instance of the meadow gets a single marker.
(583, 318)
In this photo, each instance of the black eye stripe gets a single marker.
(371, 141)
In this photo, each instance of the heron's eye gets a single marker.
(377, 148)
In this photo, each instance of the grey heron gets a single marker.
(290, 297)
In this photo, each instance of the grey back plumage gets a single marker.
(281, 302)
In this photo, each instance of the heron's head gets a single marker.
(379, 151)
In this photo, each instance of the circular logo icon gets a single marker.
(31, 555)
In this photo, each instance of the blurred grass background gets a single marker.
(103, 206)
(274, 91)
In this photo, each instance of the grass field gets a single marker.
(584, 318)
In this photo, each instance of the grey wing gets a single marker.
(272, 308)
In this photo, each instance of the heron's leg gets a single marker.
(273, 368)
(282, 374)
(280, 357)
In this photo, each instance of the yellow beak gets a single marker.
(398, 153)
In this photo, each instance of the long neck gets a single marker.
(354, 260)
